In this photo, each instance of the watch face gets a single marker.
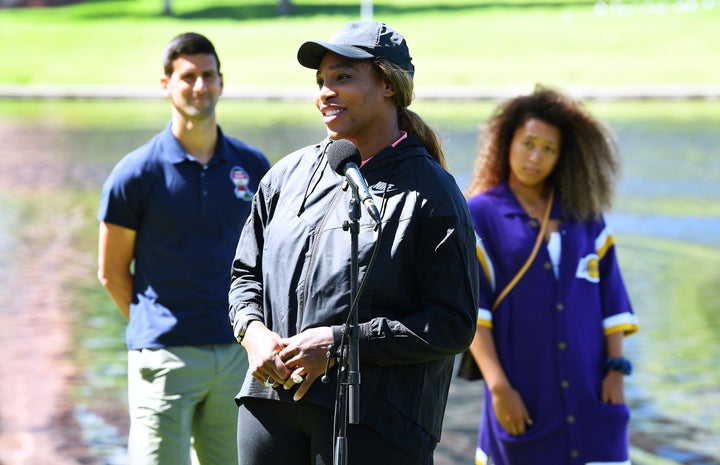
(243, 329)
(241, 332)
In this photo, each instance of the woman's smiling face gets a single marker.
(350, 96)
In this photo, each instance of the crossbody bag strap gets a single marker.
(529, 260)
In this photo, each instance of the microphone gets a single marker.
(344, 159)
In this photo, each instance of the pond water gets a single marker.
(666, 220)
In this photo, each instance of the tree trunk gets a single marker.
(285, 7)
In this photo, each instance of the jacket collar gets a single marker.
(508, 204)
(409, 147)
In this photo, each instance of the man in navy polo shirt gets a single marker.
(170, 216)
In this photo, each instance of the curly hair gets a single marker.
(589, 163)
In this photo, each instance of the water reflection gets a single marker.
(701, 230)
(666, 219)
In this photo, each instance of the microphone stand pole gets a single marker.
(348, 401)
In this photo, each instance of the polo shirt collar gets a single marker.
(176, 154)
(509, 205)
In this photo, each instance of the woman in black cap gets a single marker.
(292, 278)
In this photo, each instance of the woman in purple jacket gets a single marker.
(551, 350)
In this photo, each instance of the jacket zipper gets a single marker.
(321, 227)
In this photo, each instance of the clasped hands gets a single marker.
(297, 360)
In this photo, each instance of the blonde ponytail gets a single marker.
(409, 121)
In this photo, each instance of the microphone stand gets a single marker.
(348, 401)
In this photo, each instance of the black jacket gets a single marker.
(418, 309)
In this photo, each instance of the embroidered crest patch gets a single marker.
(589, 268)
(240, 180)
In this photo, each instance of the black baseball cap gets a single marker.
(359, 40)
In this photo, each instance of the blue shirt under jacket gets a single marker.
(188, 218)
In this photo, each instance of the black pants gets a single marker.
(280, 433)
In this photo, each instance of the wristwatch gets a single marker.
(242, 328)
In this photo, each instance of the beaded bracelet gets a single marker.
(620, 364)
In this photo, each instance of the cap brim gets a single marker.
(311, 53)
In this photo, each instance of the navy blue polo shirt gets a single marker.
(188, 219)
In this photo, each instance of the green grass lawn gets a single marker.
(455, 42)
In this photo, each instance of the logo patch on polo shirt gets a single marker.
(589, 268)
(240, 180)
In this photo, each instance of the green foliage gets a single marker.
(516, 42)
